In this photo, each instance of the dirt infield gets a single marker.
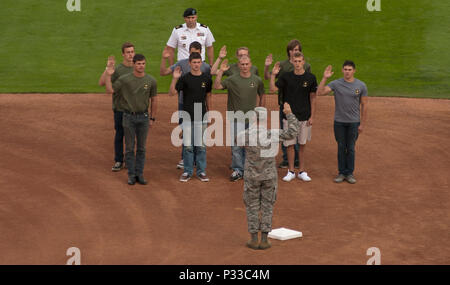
(57, 190)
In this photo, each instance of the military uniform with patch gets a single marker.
(182, 37)
(260, 174)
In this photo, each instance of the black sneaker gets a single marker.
(117, 166)
(131, 180)
(235, 176)
(283, 164)
(141, 180)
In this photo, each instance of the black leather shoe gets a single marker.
(131, 180)
(141, 180)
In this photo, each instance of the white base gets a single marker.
(284, 234)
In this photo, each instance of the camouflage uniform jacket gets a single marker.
(261, 147)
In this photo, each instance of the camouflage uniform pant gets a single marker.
(259, 197)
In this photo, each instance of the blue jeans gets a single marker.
(118, 138)
(283, 148)
(136, 129)
(237, 152)
(346, 135)
(194, 148)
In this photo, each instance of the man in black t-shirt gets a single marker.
(299, 90)
(196, 87)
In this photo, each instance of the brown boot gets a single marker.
(265, 243)
(253, 242)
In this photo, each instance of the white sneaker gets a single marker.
(289, 176)
(304, 176)
(180, 165)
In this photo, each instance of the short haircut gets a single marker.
(195, 45)
(242, 48)
(244, 57)
(349, 63)
(292, 44)
(126, 45)
(194, 55)
(138, 57)
(298, 54)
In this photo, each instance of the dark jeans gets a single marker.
(346, 135)
(118, 138)
(136, 129)
(283, 148)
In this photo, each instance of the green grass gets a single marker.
(400, 51)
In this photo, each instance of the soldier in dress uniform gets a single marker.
(183, 35)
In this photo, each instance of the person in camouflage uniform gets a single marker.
(260, 174)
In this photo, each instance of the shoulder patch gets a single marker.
(179, 26)
(204, 26)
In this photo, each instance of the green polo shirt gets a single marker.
(118, 103)
(136, 91)
(242, 92)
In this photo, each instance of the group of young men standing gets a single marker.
(134, 104)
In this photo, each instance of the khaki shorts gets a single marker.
(303, 135)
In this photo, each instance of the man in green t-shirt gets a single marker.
(286, 65)
(137, 89)
(117, 100)
(243, 89)
(234, 68)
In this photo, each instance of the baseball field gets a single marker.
(56, 144)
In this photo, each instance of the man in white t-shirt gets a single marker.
(183, 35)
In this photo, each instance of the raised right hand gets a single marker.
(223, 52)
(287, 108)
(328, 72)
(110, 70)
(276, 68)
(269, 60)
(111, 61)
(177, 72)
(224, 65)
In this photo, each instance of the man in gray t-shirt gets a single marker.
(350, 96)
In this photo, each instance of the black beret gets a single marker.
(189, 12)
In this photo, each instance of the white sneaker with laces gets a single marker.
(185, 177)
(289, 176)
(304, 176)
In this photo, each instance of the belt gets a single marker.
(136, 113)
